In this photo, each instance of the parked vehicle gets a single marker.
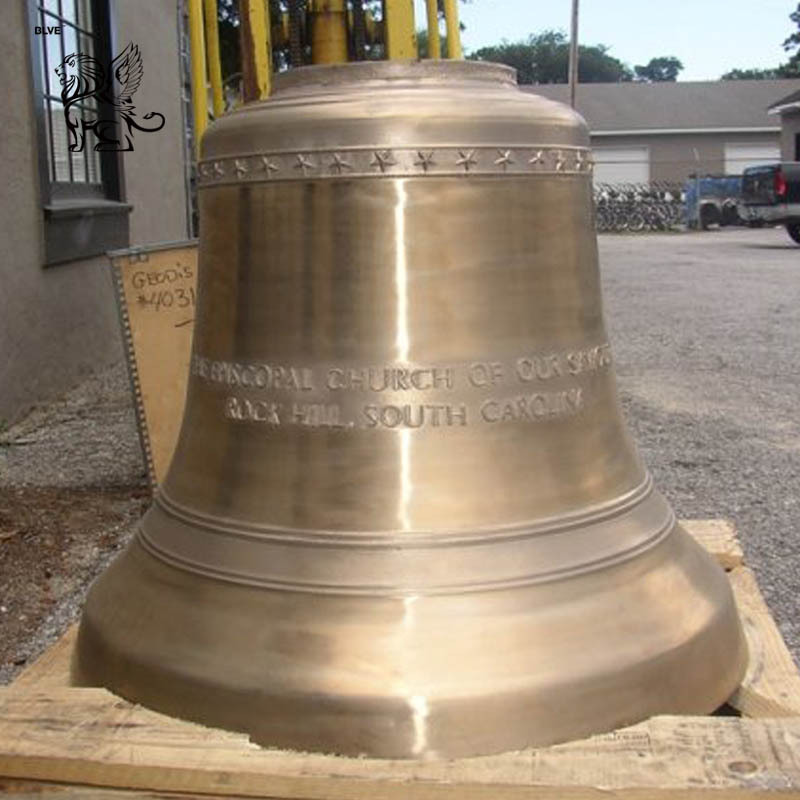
(771, 196)
(718, 197)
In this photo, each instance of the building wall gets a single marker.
(673, 157)
(155, 170)
(60, 323)
(790, 130)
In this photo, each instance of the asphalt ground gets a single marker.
(705, 331)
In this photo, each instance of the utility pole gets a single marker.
(573, 54)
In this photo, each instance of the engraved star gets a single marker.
(205, 170)
(338, 164)
(267, 166)
(304, 164)
(466, 160)
(504, 159)
(219, 169)
(383, 159)
(424, 160)
(241, 167)
(583, 162)
(537, 157)
(559, 161)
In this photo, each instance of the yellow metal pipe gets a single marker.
(453, 30)
(434, 44)
(329, 32)
(212, 50)
(256, 49)
(401, 38)
(198, 63)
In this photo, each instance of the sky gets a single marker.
(710, 37)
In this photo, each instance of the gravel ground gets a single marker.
(704, 329)
(87, 438)
(72, 485)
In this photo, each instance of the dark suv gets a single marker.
(771, 195)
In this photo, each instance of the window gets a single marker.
(81, 188)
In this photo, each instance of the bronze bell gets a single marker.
(404, 517)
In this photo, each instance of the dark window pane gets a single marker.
(84, 9)
(86, 45)
(93, 166)
(48, 143)
(82, 167)
(79, 163)
(53, 47)
(70, 40)
(68, 11)
(60, 142)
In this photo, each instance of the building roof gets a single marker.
(785, 103)
(673, 106)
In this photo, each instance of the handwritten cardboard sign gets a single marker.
(156, 292)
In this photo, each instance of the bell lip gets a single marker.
(693, 671)
(323, 77)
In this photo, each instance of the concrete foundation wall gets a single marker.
(60, 323)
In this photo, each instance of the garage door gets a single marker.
(740, 156)
(621, 164)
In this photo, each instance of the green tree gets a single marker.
(751, 74)
(422, 43)
(662, 68)
(544, 58)
(792, 42)
(791, 69)
(228, 22)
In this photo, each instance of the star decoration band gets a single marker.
(413, 162)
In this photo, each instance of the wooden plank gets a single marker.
(772, 684)
(36, 789)
(718, 536)
(43, 790)
(88, 736)
(51, 669)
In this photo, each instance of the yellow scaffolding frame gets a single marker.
(401, 37)
(212, 52)
(453, 29)
(328, 31)
(329, 44)
(256, 49)
(434, 42)
(198, 69)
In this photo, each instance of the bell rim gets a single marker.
(690, 662)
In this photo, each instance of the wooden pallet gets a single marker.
(89, 743)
